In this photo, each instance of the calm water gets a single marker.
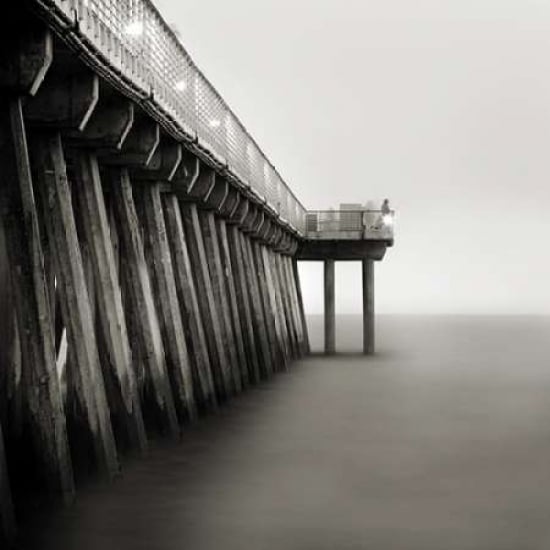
(439, 442)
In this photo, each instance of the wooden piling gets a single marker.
(301, 310)
(261, 327)
(44, 409)
(294, 305)
(218, 278)
(229, 274)
(97, 235)
(243, 296)
(187, 294)
(221, 367)
(162, 274)
(287, 306)
(159, 407)
(50, 170)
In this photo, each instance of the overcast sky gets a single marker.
(441, 105)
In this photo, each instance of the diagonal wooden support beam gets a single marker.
(44, 409)
(51, 175)
(221, 368)
(264, 329)
(301, 311)
(187, 294)
(243, 297)
(230, 288)
(157, 254)
(96, 230)
(66, 101)
(158, 407)
(218, 278)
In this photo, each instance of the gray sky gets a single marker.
(441, 105)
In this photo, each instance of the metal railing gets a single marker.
(350, 224)
(139, 45)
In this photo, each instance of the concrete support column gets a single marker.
(330, 310)
(368, 306)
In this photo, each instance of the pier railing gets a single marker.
(140, 46)
(349, 224)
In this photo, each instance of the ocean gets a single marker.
(440, 441)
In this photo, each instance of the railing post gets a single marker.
(330, 311)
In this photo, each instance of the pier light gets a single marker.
(215, 123)
(387, 219)
(181, 85)
(134, 28)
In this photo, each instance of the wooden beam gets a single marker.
(218, 278)
(44, 409)
(96, 235)
(50, 171)
(243, 295)
(221, 368)
(301, 311)
(159, 409)
(295, 307)
(66, 101)
(229, 274)
(275, 302)
(25, 56)
(286, 306)
(264, 328)
(159, 261)
(187, 294)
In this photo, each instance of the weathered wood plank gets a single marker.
(159, 260)
(50, 171)
(229, 274)
(187, 294)
(221, 368)
(158, 405)
(218, 278)
(243, 296)
(44, 409)
(97, 236)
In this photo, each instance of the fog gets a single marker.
(441, 105)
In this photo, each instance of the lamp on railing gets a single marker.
(134, 28)
(180, 85)
(387, 219)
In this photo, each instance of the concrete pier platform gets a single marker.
(439, 441)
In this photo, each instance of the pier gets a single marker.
(148, 250)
